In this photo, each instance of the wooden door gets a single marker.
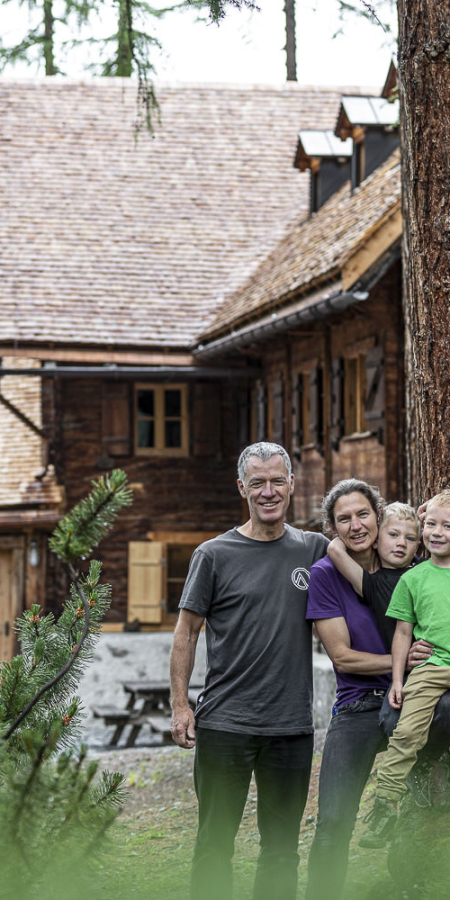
(7, 605)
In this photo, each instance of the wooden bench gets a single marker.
(161, 725)
(121, 717)
(148, 704)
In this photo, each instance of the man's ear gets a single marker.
(241, 488)
(292, 485)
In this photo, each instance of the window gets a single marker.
(161, 421)
(157, 570)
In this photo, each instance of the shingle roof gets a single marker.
(107, 242)
(315, 252)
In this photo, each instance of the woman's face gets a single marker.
(355, 522)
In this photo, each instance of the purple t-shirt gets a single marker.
(332, 596)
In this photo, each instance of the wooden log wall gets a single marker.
(195, 493)
(376, 323)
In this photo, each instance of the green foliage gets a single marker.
(54, 807)
(218, 8)
(91, 519)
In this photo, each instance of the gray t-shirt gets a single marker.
(259, 662)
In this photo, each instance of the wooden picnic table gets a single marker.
(148, 704)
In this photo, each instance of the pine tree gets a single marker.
(54, 807)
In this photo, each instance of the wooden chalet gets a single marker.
(166, 301)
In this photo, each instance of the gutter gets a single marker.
(117, 372)
(311, 308)
(318, 306)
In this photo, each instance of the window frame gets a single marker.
(160, 420)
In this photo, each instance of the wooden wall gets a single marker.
(376, 454)
(196, 493)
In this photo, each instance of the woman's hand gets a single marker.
(419, 652)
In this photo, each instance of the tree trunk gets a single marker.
(50, 68)
(291, 61)
(424, 72)
(124, 38)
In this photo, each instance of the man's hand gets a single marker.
(395, 695)
(419, 652)
(183, 727)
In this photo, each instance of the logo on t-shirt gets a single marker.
(300, 577)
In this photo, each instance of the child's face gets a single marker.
(398, 541)
(436, 534)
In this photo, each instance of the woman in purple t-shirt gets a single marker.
(349, 633)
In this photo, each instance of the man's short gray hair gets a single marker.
(264, 450)
(341, 489)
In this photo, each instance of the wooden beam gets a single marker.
(129, 357)
(374, 247)
(20, 415)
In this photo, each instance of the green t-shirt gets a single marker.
(422, 597)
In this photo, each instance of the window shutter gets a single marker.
(316, 408)
(297, 414)
(145, 581)
(243, 403)
(116, 431)
(374, 402)
(261, 413)
(337, 402)
(278, 412)
(206, 419)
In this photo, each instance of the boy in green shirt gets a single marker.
(420, 603)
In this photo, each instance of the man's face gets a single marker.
(436, 534)
(267, 489)
(355, 522)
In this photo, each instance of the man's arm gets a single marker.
(347, 566)
(400, 650)
(336, 639)
(182, 660)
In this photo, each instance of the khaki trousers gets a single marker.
(423, 688)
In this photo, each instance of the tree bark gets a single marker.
(291, 49)
(424, 72)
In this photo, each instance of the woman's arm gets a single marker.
(337, 551)
(335, 637)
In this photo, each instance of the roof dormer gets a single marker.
(372, 123)
(328, 160)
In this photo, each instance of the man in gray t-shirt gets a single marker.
(249, 586)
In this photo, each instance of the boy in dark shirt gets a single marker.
(398, 539)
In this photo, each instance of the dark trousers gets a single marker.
(353, 739)
(224, 763)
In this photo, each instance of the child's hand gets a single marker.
(395, 696)
(421, 511)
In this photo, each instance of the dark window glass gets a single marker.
(146, 403)
(178, 557)
(173, 434)
(146, 433)
(172, 403)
